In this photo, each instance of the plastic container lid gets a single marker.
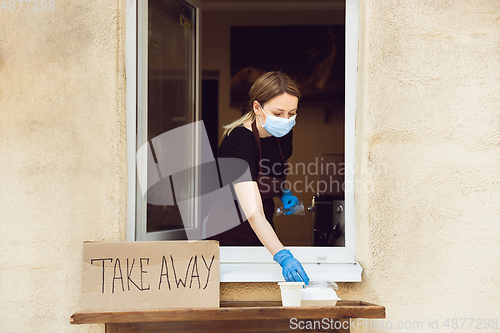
(283, 283)
(319, 294)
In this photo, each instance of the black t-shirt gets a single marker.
(240, 143)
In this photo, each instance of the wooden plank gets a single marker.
(243, 304)
(241, 326)
(113, 328)
(278, 303)
(345, 309)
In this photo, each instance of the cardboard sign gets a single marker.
(123, 276)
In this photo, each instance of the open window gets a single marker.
(163, 93)
(163, 87)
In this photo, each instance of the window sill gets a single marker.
(271, 272)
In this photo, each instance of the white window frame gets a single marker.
(136, 100)
(255, 264)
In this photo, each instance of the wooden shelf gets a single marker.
(229, 317)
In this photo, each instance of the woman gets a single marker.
(263, 138)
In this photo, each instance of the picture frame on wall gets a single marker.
(313, 56)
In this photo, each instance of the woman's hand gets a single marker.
(292, 269)
(288, 199)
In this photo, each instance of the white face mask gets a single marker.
(277, 126)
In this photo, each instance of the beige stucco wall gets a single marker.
(429, 109)
(63, 161)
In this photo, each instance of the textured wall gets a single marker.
(429, 113)
(62, 148)
(427, 236)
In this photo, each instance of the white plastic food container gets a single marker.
(319, 296)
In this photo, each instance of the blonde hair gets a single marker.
(266, 87)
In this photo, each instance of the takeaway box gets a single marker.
(128, 276)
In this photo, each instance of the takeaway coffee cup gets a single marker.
(291, 293)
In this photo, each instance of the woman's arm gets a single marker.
(251, 203)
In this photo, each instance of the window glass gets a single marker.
(169, 84)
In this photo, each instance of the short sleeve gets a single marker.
(240, 143)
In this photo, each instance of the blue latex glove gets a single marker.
(292, 269)
(288, 199)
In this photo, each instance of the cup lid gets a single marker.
(284, 283)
